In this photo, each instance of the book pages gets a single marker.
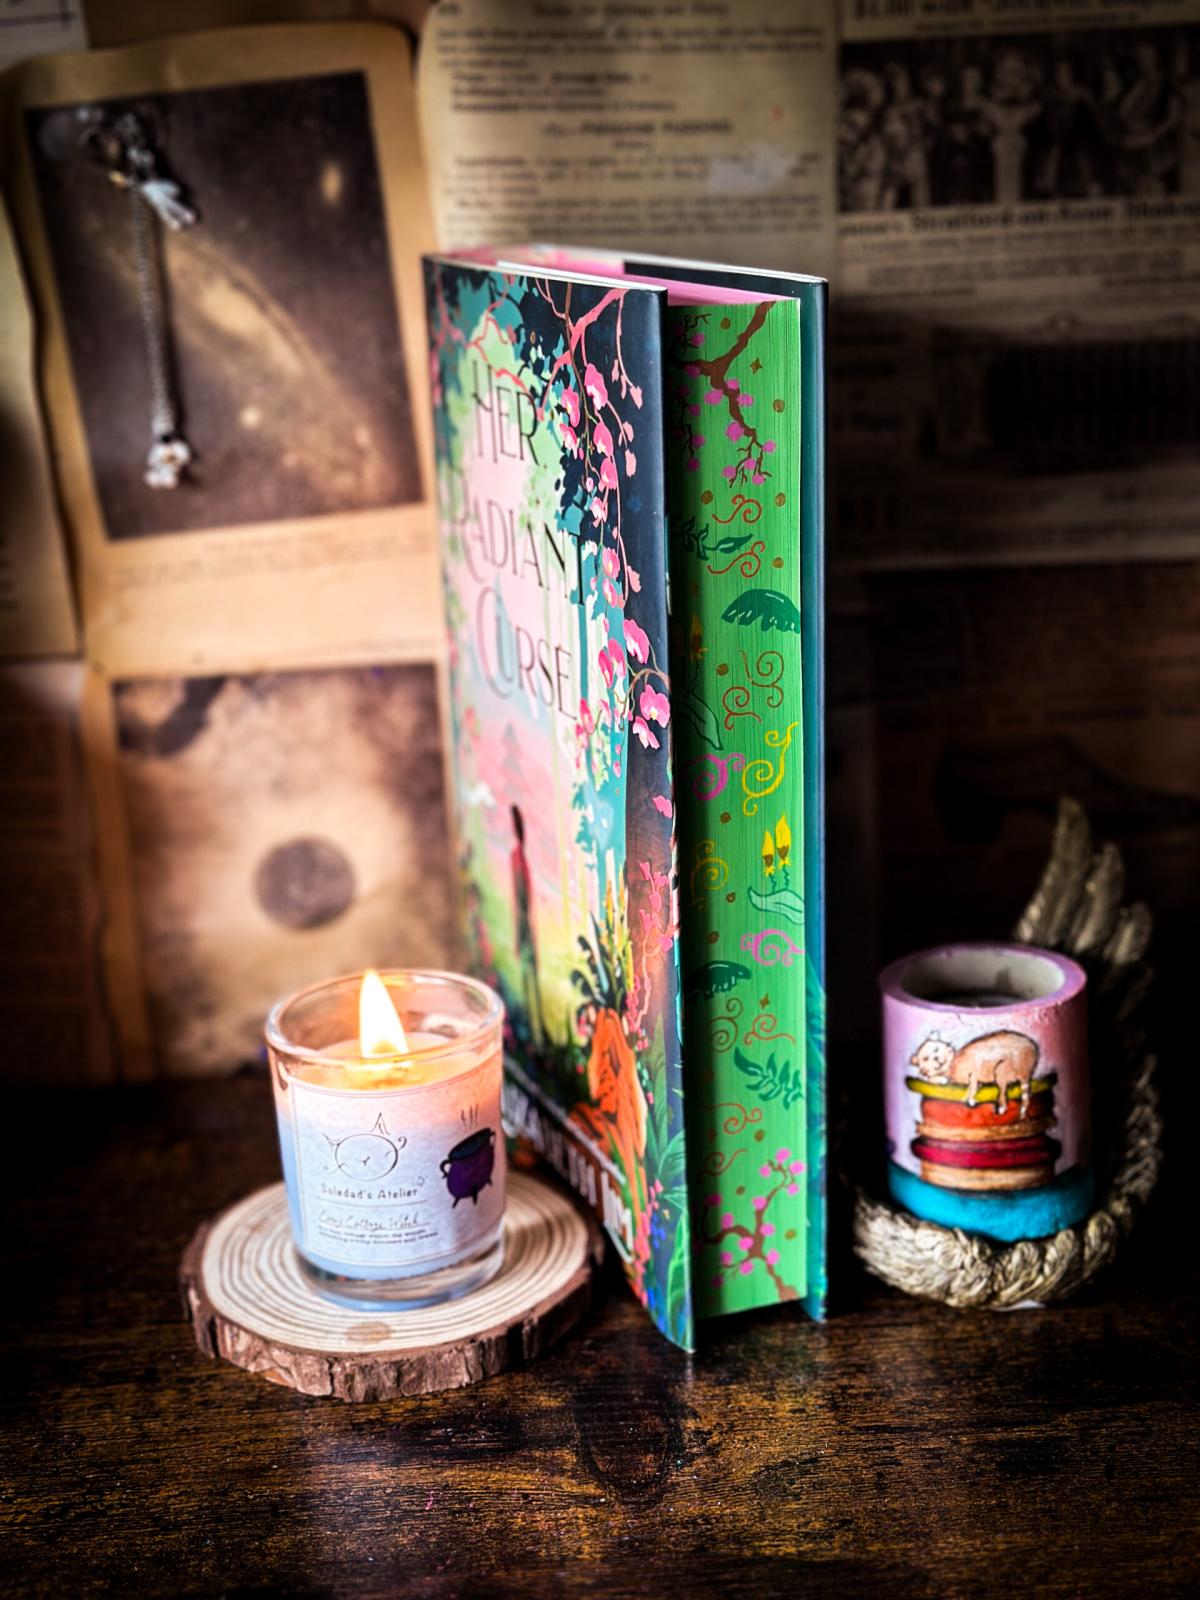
(701, 131)
(256, 789)
(113, 22)
(281, 827)
(36, 611)
(302, 530)
(57, 1024)
(748, 922)
(32, 27)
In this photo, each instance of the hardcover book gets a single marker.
(630, 491)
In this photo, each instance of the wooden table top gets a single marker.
(901, 1449)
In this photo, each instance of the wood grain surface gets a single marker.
(249, 1302)
(902, 1450)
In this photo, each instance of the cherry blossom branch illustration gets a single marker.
(752, 449)
(752, 1244)
(590, 399)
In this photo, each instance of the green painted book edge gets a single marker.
(744, 1072)
(813, 296)
(813, 304)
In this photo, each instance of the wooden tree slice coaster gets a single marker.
(249, 1303)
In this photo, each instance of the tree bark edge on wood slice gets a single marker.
(463, 1357)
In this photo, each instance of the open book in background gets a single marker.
(631, 487)
(238, 788)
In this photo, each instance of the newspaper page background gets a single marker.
(685, 129)
(37, 615)
(304, 530)
(1017, 358)
(1014, 366)
(1016, 439)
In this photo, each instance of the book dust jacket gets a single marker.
(548, 408)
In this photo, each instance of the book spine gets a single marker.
(736, 495)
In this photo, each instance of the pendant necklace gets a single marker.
(123, 148)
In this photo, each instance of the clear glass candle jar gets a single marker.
(393, 1152)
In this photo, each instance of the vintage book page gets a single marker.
(302, 530)
(1015, 372)
(36, 613)
(112, 22)
(701, 131)
(33, 27)
(110, 870)
(58, 1025)
(274, 828)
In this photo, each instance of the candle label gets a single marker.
(409, 1181)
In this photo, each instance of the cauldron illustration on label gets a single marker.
(468, 1168)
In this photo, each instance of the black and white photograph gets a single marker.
(222, 265)
(1018, 117)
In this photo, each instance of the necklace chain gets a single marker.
(156, 201)
(164, 418)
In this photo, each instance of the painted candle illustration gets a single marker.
(984, 1112)
(986, 1086)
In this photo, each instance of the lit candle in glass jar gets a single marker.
(387, 1092)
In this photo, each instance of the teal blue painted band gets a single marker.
(1028, 1214)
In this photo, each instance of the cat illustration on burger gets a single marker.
(1004, 1058)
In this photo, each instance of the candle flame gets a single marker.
(380, 1031)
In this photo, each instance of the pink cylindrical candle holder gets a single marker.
(986, 1088)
